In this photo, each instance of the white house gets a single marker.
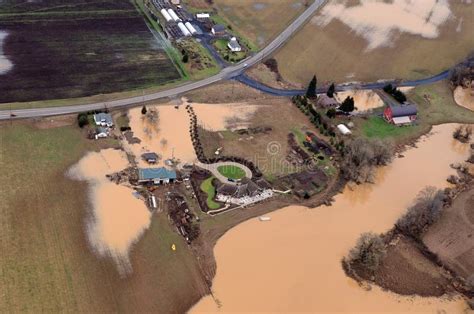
(233, 45)
(103, 119)
(101, 132)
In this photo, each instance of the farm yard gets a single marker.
(255, 20)
(64, 50)
(336, 46)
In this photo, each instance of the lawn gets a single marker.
(377, 127)
(231, 172)
(335, 52)
(221, 46)
(210, 190)
(75, 50)
(47, 264)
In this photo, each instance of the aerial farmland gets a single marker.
(66, 50)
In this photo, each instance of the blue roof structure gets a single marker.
(156, 174)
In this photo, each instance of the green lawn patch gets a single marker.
(210, 190)
(377, 127)
(231, 172)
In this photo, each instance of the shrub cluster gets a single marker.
(368, 252)
(396, 93)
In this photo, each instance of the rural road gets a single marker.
(226, 73)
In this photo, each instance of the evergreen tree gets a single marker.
(311, 91)
(331, 91)
(347, 105)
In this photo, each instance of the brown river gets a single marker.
(293, 262)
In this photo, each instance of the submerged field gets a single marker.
(66, 50)
(371, 40)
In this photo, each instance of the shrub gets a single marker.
(144, 110)
(368, 252)
(82, 120)
(347, 105)
(424, 212)
(331, 113)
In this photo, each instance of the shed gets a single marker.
(218, 29)
(343, 129)
(101, 132)
(203, 15)
(150, 158)
(156, 175)
(103, 119)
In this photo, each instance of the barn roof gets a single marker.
(403, 110)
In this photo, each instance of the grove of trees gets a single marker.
(368, 252)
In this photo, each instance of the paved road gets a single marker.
(213, 169)
(226, 73)
(343, 87)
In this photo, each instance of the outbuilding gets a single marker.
(203, 16)
(404, 114)
(151, 158)
(343, 129)
(218, 29)
(101, 132)
(156, 176)
(103, 119)
(324, 101)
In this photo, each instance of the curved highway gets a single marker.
(226, 73)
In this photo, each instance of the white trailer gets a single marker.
(183, 29)
(191, 28)
(166, 15)
(343, 129)
(173, 15)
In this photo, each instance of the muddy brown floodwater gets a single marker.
(169, 135)
(117, 219)
(293, 262)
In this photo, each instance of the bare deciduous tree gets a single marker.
(368, 252)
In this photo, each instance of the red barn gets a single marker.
(401, 114)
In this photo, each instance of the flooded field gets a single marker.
(464, 97)
(5, 64)
(169, 136)
(364, 99)
(117, 219)
(379, 21)
(293, 263)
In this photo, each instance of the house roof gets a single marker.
(234, 44)
(147, 156)
(218, 28)
(101, 130)
(326, 101)
(403, 110)
(156, 173)
(103, 117)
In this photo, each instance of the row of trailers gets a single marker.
(172, 19)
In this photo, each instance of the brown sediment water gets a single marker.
(118, 219)
(364, 99)
(218, 117)
(169, 136)
(380, 21)
(293, 263)
(464, 97)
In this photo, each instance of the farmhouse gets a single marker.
(150, 158)
(233, 45)
(103, 119)
(156, 176)
(404, 114)
(325, 101)
(218, 29)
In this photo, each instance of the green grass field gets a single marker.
(210, 190)
(231, 172)
(47, 264)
